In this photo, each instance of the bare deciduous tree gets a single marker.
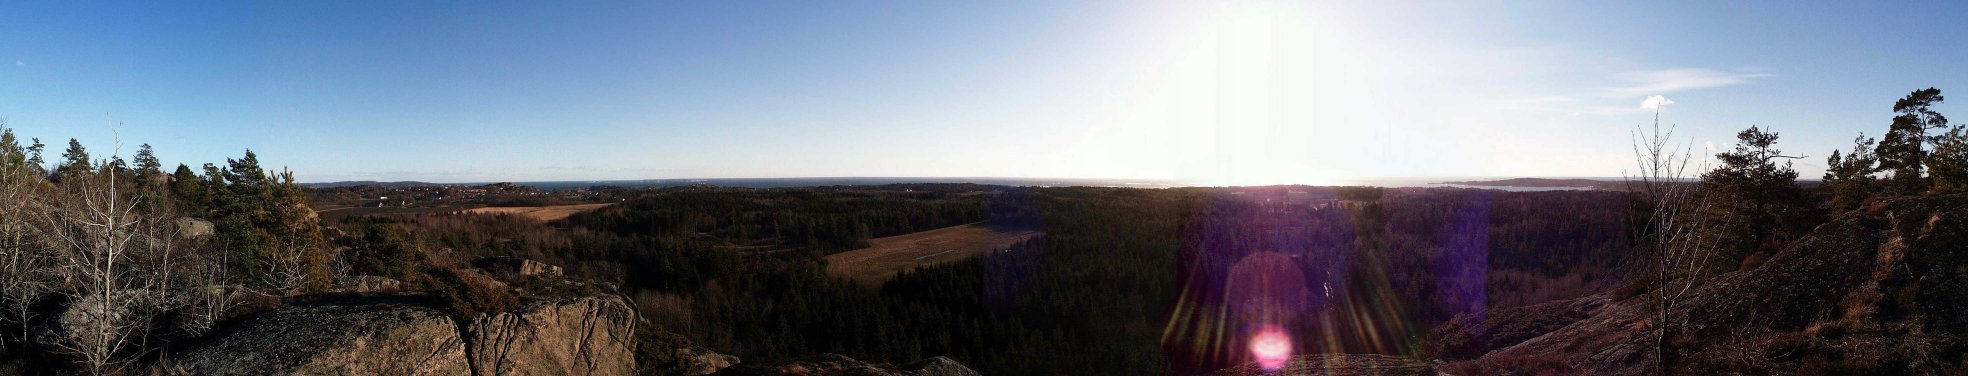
(1678, 252)
(23, 270)
(107, 250)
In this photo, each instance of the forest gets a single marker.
(737, 270)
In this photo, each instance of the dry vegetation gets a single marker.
(889, 255)
(540, 213)
(336, 214)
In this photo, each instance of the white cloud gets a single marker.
(1653, 84)
(1710, 145)
(1655, 102)
(1671, 80)
(18, 63)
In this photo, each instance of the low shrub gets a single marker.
(467, 294)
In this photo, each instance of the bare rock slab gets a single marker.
(334, 339)
(576, 336)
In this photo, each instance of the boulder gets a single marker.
(193, 228)
(574, 336)
(365, 338)
(369, 284)
(704, 362)
(514, 269)
(82, 319)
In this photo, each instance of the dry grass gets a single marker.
(540, 213)
(873, 265)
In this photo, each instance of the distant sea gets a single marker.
(1390, 182)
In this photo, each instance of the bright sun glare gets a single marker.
(1272, 348)
(1259, 87)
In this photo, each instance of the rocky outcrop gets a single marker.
(1472, 335)
(333, 339)
(399, 336)
(575, 336)
(841, 365)
(937, 366)
(193, 228)
(704, 362)
(514, 269)
(1339, 365)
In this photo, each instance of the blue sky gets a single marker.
(1209, 92)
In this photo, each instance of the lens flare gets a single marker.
(1272, 348)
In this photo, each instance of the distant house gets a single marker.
(1324, 203)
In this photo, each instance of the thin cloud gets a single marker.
(18, 63)
(1672, 80)
(1561, 104)
(1653, 85)
(1655, 102)
(1710, 145)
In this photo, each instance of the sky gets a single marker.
(1231, 92)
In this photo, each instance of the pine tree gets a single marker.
(149, 171)
(1948, 164)
(10, 149)
(75, 160)
(1850, 175)
(246, 171)
(192, 196)
(1903, 151)
(1759, 196)
(34, 160)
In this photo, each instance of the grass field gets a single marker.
(870, 266)
(540, 213)
(335, 213)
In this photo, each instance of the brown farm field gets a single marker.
(335, 213)
(875, 264)
(540, 213)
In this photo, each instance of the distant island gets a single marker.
(1538, 183)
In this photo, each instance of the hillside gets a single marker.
(1883, 289)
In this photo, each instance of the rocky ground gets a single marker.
(1339, 365)
(1882, 289)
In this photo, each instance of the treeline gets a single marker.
(115, 260)
(1920, 153)
(1750, 205)
(825, 222)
